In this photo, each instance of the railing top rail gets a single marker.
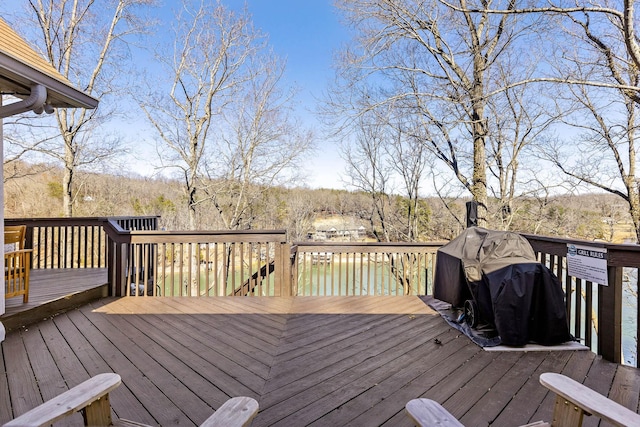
(124, 217)
(74, 221)
(205, 236)
(565, 240)
(120, 235)
(306, 245)
(618, 254)
(216, 232)
(49, 222)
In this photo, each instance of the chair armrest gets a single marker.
(22, 254)
(427, 412)
(588, 400)
(69, 402)
(19, 252)
(235, 412)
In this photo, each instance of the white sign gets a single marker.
(587, 263)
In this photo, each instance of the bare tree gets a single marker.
(408, 158)
(437, 63)
(299, 214)
(85, 41)
(224, 124)
(368, 170)
(260, 146)
(519, 119)
(598, 62)
(604, 49)
(212, 46)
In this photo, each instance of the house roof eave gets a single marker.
(17, 78)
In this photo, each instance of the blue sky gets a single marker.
(307, 33)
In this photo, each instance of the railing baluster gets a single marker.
(637, 336)
(578, 307)
(216, 270)
(181, 278)
(588, 313)
(333, 273)
(61, 238)
(172, 268)
(353, 268)
(232, 252)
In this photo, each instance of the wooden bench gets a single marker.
(92, 399)
(573, 402)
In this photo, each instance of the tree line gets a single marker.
(37, 192)
(505, 102)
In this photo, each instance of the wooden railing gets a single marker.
(143, 261)
(595, 310)
(65, 242)
(198, 263)
(74, 242)
(364, 268)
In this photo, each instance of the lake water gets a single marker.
(629, 315)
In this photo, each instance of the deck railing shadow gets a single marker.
(146, 262)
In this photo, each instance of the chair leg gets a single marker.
(27, 269)
(98, 413)
(566, 413)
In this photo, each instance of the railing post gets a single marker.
(286, 269)
(119, 272)
(281, 271)
(293, 269)
(28, 238)
(610, 316)
(109, 257)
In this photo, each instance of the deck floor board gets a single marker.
(528, 398)
(128, 406)
(333, 386)
(488, 406)
(21, 379)
(625, 388)
(377, 386)
(154, 386)
(53, 291)
(5, 398)
(322, 361)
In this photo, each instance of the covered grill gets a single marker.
(495, 275)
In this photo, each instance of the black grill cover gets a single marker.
(515, 293)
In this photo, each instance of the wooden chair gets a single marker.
(92, 399)
(574, 401)
(17, 263)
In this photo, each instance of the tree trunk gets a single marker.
(67, 179)
(193, 214)
(479, 186)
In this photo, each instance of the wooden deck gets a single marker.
(322, 361)
(52, 291)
